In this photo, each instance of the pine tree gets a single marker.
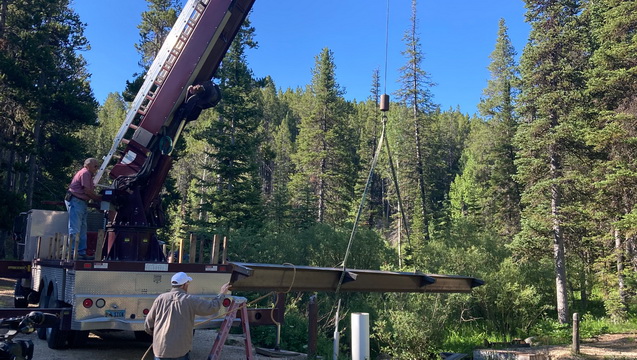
(493, 146)
(612, 85)
(324, 154)
(552, 69)
(232, 197)
(45, 83)
(154, 28)
(415, 95)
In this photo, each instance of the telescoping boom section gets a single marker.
(176, 89)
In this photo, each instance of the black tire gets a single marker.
(56, 338)
(20, 295)
(41, 333)
(143, 336)
(44, 301)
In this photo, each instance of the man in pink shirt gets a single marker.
(80, 192)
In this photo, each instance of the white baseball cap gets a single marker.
(180, 278)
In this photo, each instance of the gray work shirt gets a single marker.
(172, 318)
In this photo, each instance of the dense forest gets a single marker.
(535, 194)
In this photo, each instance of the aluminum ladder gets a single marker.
(154, 79)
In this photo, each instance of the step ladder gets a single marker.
(224, 330)
(157, 73)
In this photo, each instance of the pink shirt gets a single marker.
(82, 181)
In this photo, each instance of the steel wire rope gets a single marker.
(362, 203)
(373, 165)
(363, 197)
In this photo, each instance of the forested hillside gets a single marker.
(535, 194)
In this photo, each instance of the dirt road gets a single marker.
(607, 346)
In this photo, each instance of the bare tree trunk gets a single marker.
(631, 249)
(584, 281)
(558, 241)
(421, 172)
(619, 252)
(3, 17)
(419, 156)
(202, 189)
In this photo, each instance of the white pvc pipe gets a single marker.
(336, 343)
(360, 336)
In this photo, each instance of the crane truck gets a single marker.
(115, 291)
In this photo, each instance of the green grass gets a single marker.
(546, 332)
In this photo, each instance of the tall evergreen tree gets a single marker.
(493, 148)
(154, 28)
(45, 83)
(415, 94)
(552, 95)
(612, 85)
(233, 193)
(274, 112)
(325, 151)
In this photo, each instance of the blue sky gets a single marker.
(457, 37)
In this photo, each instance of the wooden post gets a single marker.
(193, 249)
(214, 253)
(575, 348)
(65, 249)
(312, 327)
(164, 248)
(181, 251)
(99, 247)
(67, 253)
(225, 250)
(201, 251)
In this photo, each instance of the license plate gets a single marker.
(116, 313)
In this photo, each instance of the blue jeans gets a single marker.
(78, 213)
(185, 357)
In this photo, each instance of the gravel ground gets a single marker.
(123, 346)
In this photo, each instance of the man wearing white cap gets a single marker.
(172, 318)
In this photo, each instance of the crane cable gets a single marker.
(386, 45)
(360, 207)
(373, 166)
